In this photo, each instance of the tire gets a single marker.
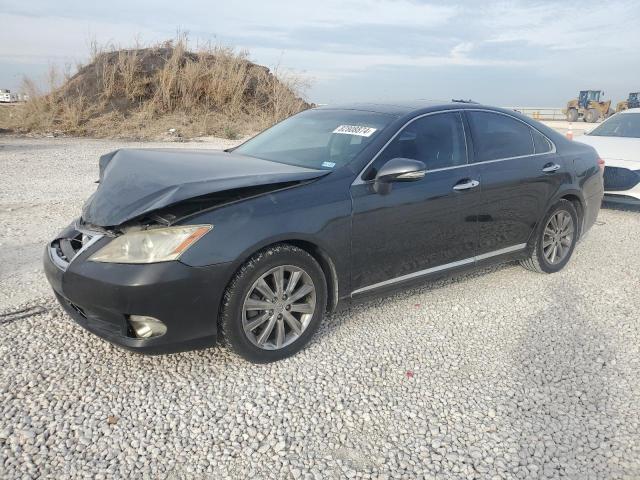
(273, 336)
(572, 115)
(539, 261)
(592, 115)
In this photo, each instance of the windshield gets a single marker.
(320, 139)
(620, 125)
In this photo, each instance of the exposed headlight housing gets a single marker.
(151, 246)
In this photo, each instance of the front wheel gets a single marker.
(274, 304)
(556, 239)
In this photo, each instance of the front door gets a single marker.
(422, 226)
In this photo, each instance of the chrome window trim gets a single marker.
(439, 268)
(360, 181)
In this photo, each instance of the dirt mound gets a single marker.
(146, 91)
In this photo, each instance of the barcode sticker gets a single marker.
(355, 130)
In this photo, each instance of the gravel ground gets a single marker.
(501, 373)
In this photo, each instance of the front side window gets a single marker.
(436, 140)
(320, 139)
(497, 136)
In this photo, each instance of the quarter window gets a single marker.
(437, 140)
(497, 136)
(540, 142)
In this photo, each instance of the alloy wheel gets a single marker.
(558, 237)
(278, 307)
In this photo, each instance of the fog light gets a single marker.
(147, 327)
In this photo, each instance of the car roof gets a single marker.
(404, 107)
(405, 110)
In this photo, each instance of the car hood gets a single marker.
(134, 182)
(614, 148)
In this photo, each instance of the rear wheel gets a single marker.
(274, 304)
(572, 115)
(556, 239)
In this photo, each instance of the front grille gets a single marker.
(67, 248)
(618, 179)
(64, 250)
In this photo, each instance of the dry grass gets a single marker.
(142, 92)
(8, 115)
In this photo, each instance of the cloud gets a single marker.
(274, 14)
(320, 64)
(561, 26)
(461, 50)
(333, 40)
(28, 38)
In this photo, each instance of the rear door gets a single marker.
(422, 226)
(519, 173)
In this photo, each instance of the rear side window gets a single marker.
(540, 142)
(437, 140)
(497, 136)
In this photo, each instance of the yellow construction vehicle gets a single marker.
(632, 102)
(588, 107)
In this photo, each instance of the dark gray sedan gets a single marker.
(178, 248)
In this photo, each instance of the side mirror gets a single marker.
(398, 170)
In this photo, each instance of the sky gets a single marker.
(506, 53)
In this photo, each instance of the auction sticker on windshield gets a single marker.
(355, 130)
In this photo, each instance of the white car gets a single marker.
(617, 141)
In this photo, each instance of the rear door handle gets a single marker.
(551, 167)
(466, 185)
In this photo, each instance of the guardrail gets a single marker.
(541, 113)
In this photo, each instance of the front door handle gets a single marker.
(466, 185)
(551, 167)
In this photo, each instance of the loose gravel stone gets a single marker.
(514, 374)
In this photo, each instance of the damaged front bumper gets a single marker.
(101, 296)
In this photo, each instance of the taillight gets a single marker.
(601, 164)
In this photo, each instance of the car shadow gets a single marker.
(620, 207)
(562, 370)
(362, 306)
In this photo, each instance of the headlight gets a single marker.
(150, 246)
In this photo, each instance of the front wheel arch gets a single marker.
(234, 334)
(320, 255)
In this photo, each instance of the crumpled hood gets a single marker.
(137, 181)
